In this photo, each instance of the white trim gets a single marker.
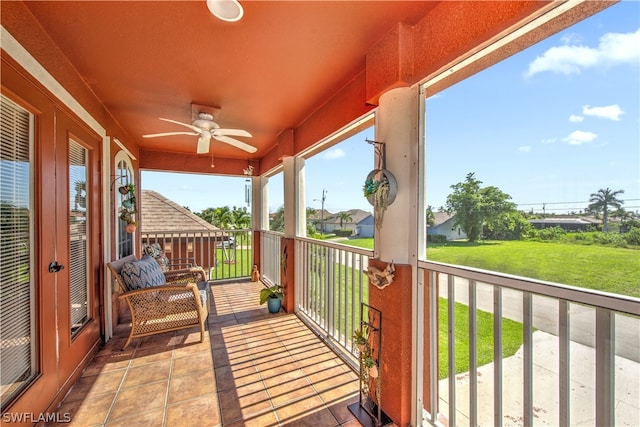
(337, 135)
(29, 63)
(106, 238)
(554, 10)
(124, 148)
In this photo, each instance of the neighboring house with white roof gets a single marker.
(444, 225)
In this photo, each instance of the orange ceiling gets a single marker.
(267, 72)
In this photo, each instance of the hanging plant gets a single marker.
(128, 207)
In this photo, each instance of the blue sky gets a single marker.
(550, 125)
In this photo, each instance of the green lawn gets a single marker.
(511, 338)
(603, 268)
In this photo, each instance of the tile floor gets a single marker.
(253, 369)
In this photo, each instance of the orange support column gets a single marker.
(255, 249)
(287, 273)
(394, 302)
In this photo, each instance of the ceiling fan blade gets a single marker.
(231, 132)
(203, 143)
(239, 144)
(153, 135)
(194, 128)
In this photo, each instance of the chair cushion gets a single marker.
(142, 274)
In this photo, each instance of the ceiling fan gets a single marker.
(206, 128)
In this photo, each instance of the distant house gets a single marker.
(566, 223)
(182, 235)
(366, 227)
(444, 225)
(332, 222)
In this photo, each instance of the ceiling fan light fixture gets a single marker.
(226, 10)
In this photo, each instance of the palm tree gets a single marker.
(602, 200)
(344, 217)
(241, 217)
(222, 217)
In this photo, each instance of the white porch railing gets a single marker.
(270, 256)
(578, 363)
(330, 285)
(225, 254)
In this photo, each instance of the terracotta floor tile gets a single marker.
(266, 419)
(235, 407)
(144, 355)
(340, 410)
(108, 362)
(148, 373)
(96, 384)
(309, 411)
(228, 377)
(140, 418)
(88, 412)
(187, 364)
(202, 411)
(290, 390)
(130, 401)
(190, 386)
(253, 369)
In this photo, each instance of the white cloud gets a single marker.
(611, 112)
(525, 148)
(549, 140)
(578, 137)
(613, 49)
(336, 153)
(575, 119)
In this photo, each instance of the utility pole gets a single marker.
(324, 197)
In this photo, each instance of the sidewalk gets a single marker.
(545, 388)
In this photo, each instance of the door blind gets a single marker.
(17, 332)
(78, 244)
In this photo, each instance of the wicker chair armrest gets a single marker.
(185, 275)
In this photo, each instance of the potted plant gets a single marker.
(273, 297)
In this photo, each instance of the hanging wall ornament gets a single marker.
(380, 187)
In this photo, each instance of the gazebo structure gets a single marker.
(84, 81)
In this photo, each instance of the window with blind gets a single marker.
(78, 235)
(17, 310)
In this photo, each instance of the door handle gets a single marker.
(54, 267)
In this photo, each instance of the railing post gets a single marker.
(605, 365)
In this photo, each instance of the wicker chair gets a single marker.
(180, 303)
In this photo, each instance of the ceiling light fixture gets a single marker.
(227, 10)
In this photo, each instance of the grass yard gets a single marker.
(511, 338)
(602, 268)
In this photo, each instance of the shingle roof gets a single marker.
(161, 214)
(357, 215)
(441, 218)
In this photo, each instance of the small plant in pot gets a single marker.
(273, 297)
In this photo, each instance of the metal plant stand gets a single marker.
(368, 409)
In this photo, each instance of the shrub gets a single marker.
(633, 236)
(343, 233)
(614, 239)
(551, 233)
(436, 238)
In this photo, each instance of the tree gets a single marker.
(344, 217)
(277, 223)
(475, 206)
(602, 200)
(241, 218)
(430, 217)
